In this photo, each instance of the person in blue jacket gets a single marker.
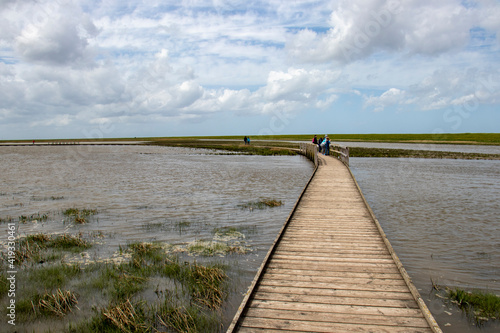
(327, 145)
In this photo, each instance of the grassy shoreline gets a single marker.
(445, 138)
(287, 144)
(408, 153)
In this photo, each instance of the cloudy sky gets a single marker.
(123, 68)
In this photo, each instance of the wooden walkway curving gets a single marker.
(332, 269)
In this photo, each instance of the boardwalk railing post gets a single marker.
(309, 150)
(341, 152)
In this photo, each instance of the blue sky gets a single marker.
(118, 68)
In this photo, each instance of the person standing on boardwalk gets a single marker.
(327, 145)
(315, 140)
(245, 139)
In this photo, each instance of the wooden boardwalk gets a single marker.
(332, 269)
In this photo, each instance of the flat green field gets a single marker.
(460, 138)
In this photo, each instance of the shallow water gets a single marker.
(479, 149)
(442, 218)
(143, 193)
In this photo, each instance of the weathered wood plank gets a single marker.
(365, 301)
(347, 274)
(335, 308)
(333, 285)
(308, 326)
(333, 279)
(312, 257)
(341, 266)
(335, 292)
(344, 318)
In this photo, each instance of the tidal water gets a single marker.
(441, 216)
(485, 149)
(443, 219)
(142, 193)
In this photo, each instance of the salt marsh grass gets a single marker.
(190, 300)
(262, 204)
(478, 305)
(79, 216)
(42, 247)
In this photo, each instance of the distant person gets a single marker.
(245, 139)
(33, 141)
(320, 141)
(248, 140)
(315, 140)
(327, 145)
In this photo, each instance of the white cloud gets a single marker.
(49, 32)
(297, 84)
(83, 61)
(362, 28)
(391, 97)
(443, 89)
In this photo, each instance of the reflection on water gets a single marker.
(442, 218)
(141, 193)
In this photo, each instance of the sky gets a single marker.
(123, 68)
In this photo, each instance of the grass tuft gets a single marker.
(59, 303)
(126, 318)
(80, 216)
(262, 204)
(479, 305)
(30, 248)
(179, 319)
(207, 285)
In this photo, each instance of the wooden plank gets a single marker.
(333, 279)
(336, 265)
(346, 274)
(335, 308)
(335, 292)
(333, 251)
(268, 325)
(345, 318)
(334, 285)
(365, 301)
(319, 257)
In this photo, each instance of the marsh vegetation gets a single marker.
(478, 306)
(262, 204)
(188, 295)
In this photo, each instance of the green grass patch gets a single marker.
(408, 153)
(193, 306)
(37, 217)
(479, 305)
(260, 148)
(109, 297)
(35, 248)
(53, 276)
(79, 216)
(462, 138)
(211, 248)
(443, 138)
(262, 204)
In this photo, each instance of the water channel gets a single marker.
(441, 216)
